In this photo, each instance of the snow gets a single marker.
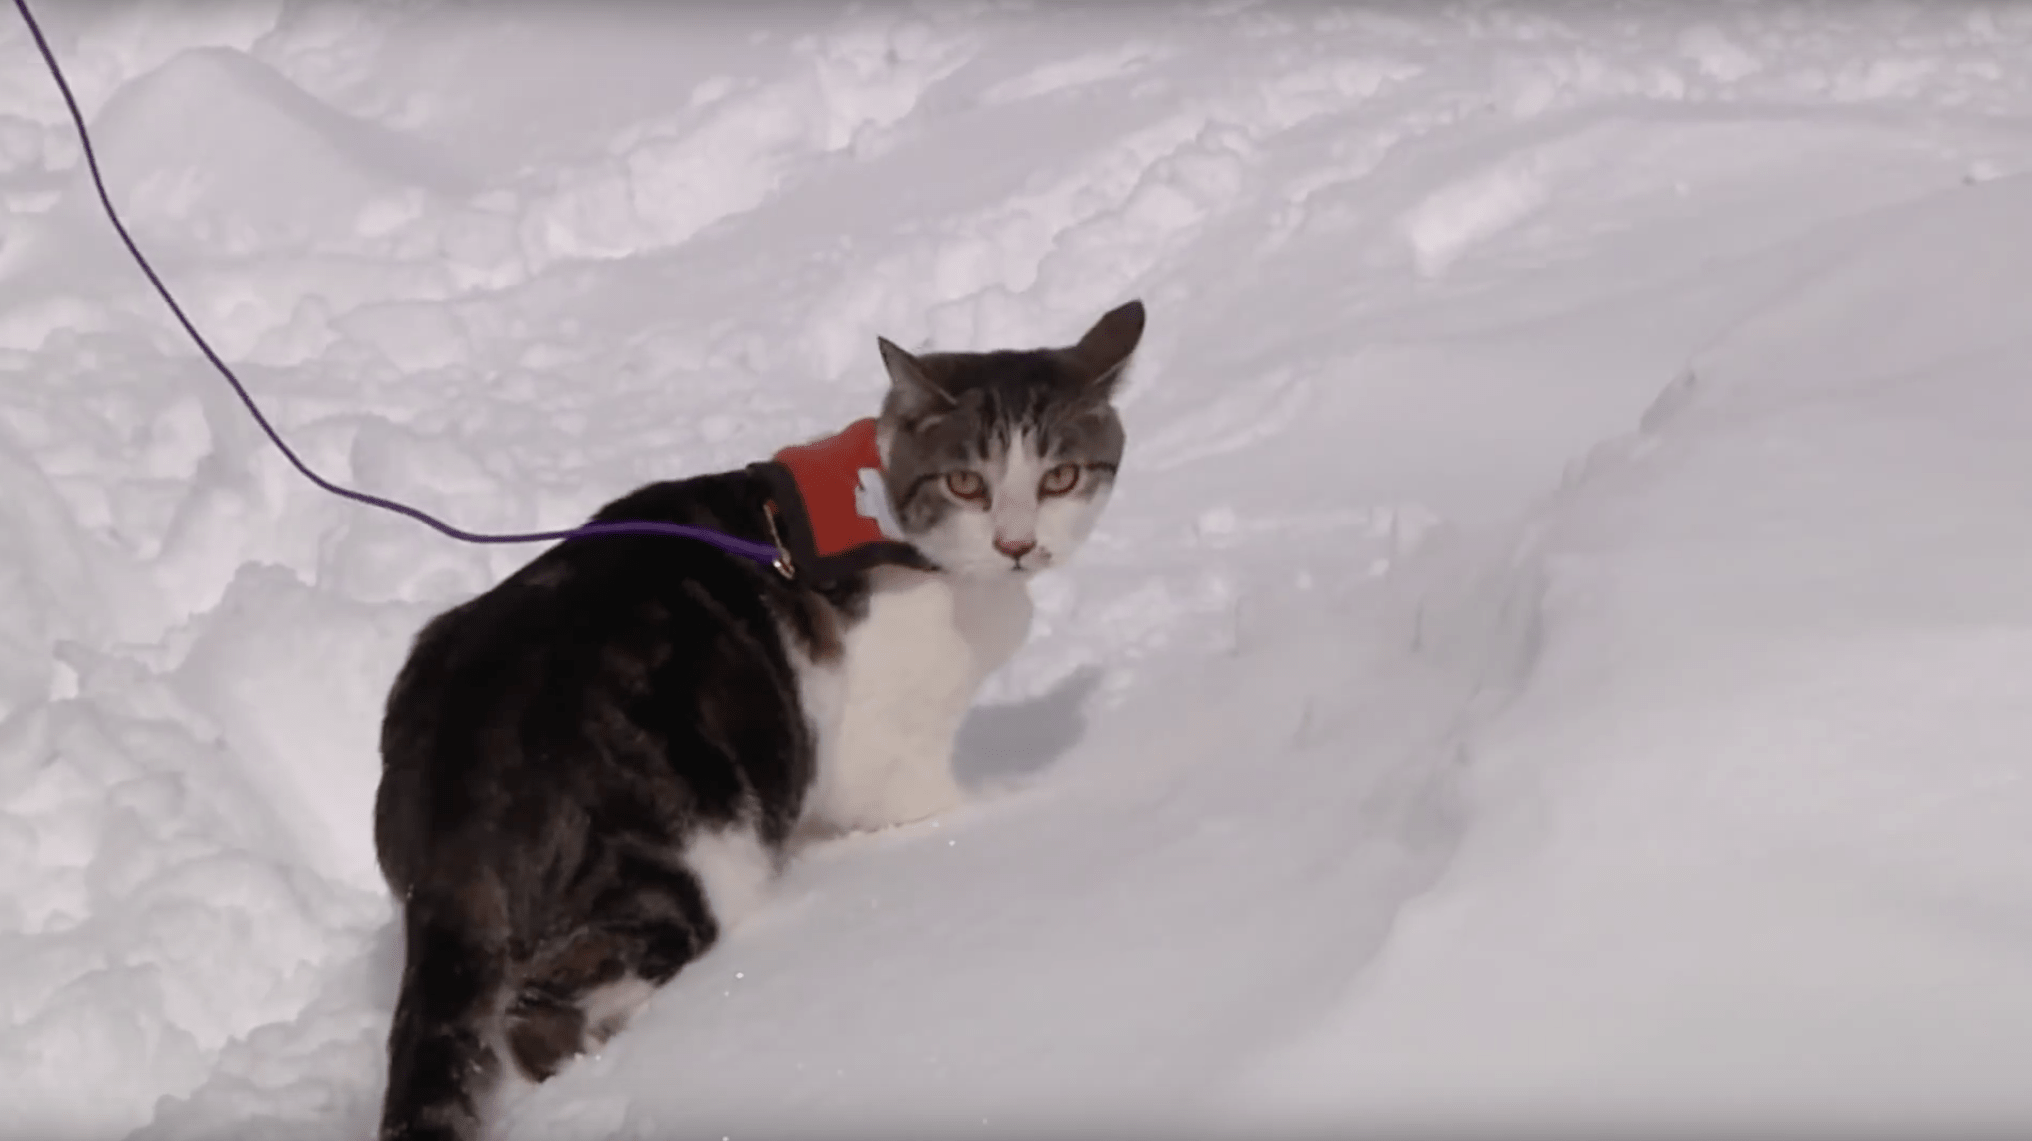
(1766, 779)
(1556, 658)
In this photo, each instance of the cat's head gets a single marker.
(999, 463)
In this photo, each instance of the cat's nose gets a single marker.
(1015, 548)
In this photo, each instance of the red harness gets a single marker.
(826, 523)
(828, 472)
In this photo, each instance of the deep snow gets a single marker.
(1556, 656)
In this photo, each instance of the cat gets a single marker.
(592, 768)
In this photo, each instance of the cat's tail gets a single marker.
(441, 1059)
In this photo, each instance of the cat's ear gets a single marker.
(1106, 348)
(911, 381)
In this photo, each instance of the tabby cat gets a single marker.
(589, 768)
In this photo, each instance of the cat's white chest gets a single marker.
(886, 714)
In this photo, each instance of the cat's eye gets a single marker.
(1059, 480)
(966, 485)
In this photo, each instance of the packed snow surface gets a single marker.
(1559, 658)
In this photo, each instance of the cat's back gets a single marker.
(617, 684)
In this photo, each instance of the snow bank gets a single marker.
(1751, 845)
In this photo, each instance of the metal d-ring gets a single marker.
(783, 565)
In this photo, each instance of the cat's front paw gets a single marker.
(922, 798)
(897, 801)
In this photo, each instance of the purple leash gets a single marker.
(764, 553)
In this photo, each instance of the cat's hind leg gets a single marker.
(577, 993)
(570, 1000)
